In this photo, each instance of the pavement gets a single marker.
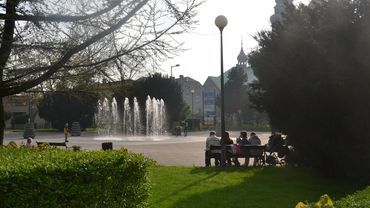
(166, 150)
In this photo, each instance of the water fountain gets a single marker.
(103, 117)
(127, 122)
(155, 116)
(110, 122)
(136, 118)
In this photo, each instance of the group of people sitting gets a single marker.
(243, 139)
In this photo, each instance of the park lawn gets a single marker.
(239, 187)
(36, 130)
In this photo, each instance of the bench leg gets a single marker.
(217, 162)
(207, 158)
(246, 161)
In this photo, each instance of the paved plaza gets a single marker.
(166, 150)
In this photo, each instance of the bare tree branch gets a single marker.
(10, 90)
(57, 17)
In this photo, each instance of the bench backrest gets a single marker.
(252, 147)
(219, 147)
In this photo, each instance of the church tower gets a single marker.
(242, 57)
(242, 63)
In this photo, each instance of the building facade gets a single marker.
(212, 89)
(192, 92)
(20, 108)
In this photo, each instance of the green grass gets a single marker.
(239, 187)
(91, 129)
(36, 130)
(359, 199)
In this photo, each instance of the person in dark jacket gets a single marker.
(226, 140)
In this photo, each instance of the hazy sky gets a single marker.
(202, 58)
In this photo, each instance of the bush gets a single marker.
(357, 200)
(30, 177)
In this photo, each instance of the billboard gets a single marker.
(209, 108)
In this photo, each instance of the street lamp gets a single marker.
(177, 65)
(192, 109)
(221, 23)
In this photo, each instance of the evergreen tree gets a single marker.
(314, 77)
(236, 90)
(164, 88)
(61, 107)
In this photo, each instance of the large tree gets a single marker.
(164, 88)
(48, 39)
(236, 97)
(68, 106)
(236, 90)
(314, 81)
(238, 107)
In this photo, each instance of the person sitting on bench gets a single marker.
(225, 140)
(244, 141)
(254, 140)
(212, 140)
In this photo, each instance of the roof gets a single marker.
(242, 58)
(217, 80)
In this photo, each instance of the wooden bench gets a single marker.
(245, 151)
(55, 144)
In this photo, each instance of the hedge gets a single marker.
(60, 178)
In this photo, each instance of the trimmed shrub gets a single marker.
(30, 177)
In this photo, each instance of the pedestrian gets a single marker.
(66, 130)
(185, 128)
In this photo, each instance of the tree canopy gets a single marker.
(314, 78)
(164, 88)
(62, 107)
(238, 107)
(236, 90)
(50, 39)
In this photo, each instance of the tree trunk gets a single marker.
(5, 50)
(2, 122)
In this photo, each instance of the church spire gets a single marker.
(242, 58)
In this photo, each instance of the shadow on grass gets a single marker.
(259, 187)
(187, 187)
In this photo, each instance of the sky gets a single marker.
(202, 56)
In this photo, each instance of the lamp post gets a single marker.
(221, 23)
(177, 65)
(192, 109)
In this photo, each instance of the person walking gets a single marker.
(66, 130)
